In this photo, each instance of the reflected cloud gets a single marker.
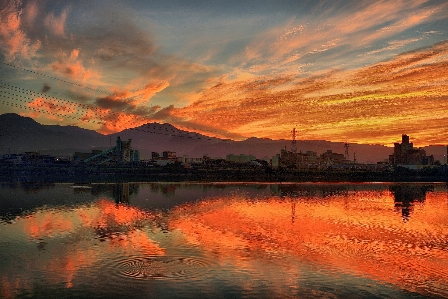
(374, 245)
(117, 227)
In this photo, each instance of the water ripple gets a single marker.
(160, 267)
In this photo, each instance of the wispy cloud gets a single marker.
(371, 104)
(358, 71)
(56, 24)
(14, 43)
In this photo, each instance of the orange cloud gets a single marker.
(141, 95)
(374, 104)
(119, 122)
(56, 24)
(345, 30)
(31, 11)
(51, 109)
(14, 42)
(72, 67)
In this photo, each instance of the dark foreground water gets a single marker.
(166, 240)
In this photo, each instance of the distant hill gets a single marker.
(19, 134)
(161, 137)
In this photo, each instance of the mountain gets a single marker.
(161, 137)
(19, 134)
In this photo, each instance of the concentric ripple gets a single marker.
(162, 267)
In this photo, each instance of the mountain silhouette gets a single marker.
(19, 134)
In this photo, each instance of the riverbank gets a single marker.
(177, 173)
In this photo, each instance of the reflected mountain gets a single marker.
(406, 195)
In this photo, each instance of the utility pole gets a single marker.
(294, 141)
(346, 156)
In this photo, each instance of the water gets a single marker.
(224, 240)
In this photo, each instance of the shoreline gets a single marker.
(100, 174)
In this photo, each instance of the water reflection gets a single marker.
(312, 190)
(406, 195)
(355, 235)
(123, 191)
(236, 240)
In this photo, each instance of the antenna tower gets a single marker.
(294, 141)
(346, 156)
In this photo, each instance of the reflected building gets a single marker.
(122, 191)
(294, 190)
(406, 195)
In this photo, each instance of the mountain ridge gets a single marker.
(19, 134)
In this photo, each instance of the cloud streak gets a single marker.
(372, 104)
(357, 71)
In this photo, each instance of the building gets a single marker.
(31, 158)
(329, 158)
(406, 154)
(122, 152)
(134, 155)
(298, 160)
(167, 157)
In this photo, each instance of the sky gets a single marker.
(348, 71)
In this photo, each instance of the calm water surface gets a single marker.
(223, 240)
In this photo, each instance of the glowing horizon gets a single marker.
(358, 71)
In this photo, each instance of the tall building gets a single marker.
(123, 150)
(406, 154)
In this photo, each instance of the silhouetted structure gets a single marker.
(298, 160)
(406, 154)
(122, 152)
(405, 196)
(332, 158)
(346, 156)
(294, 141)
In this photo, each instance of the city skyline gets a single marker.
(347, 71)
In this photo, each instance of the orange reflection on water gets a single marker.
(357, 233)
(47, 224)
(7, 289)
(64, 267)
(10, 284)
(118, 227)
(119, 214)
(107, 219)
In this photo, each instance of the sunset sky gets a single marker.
(356, 71)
